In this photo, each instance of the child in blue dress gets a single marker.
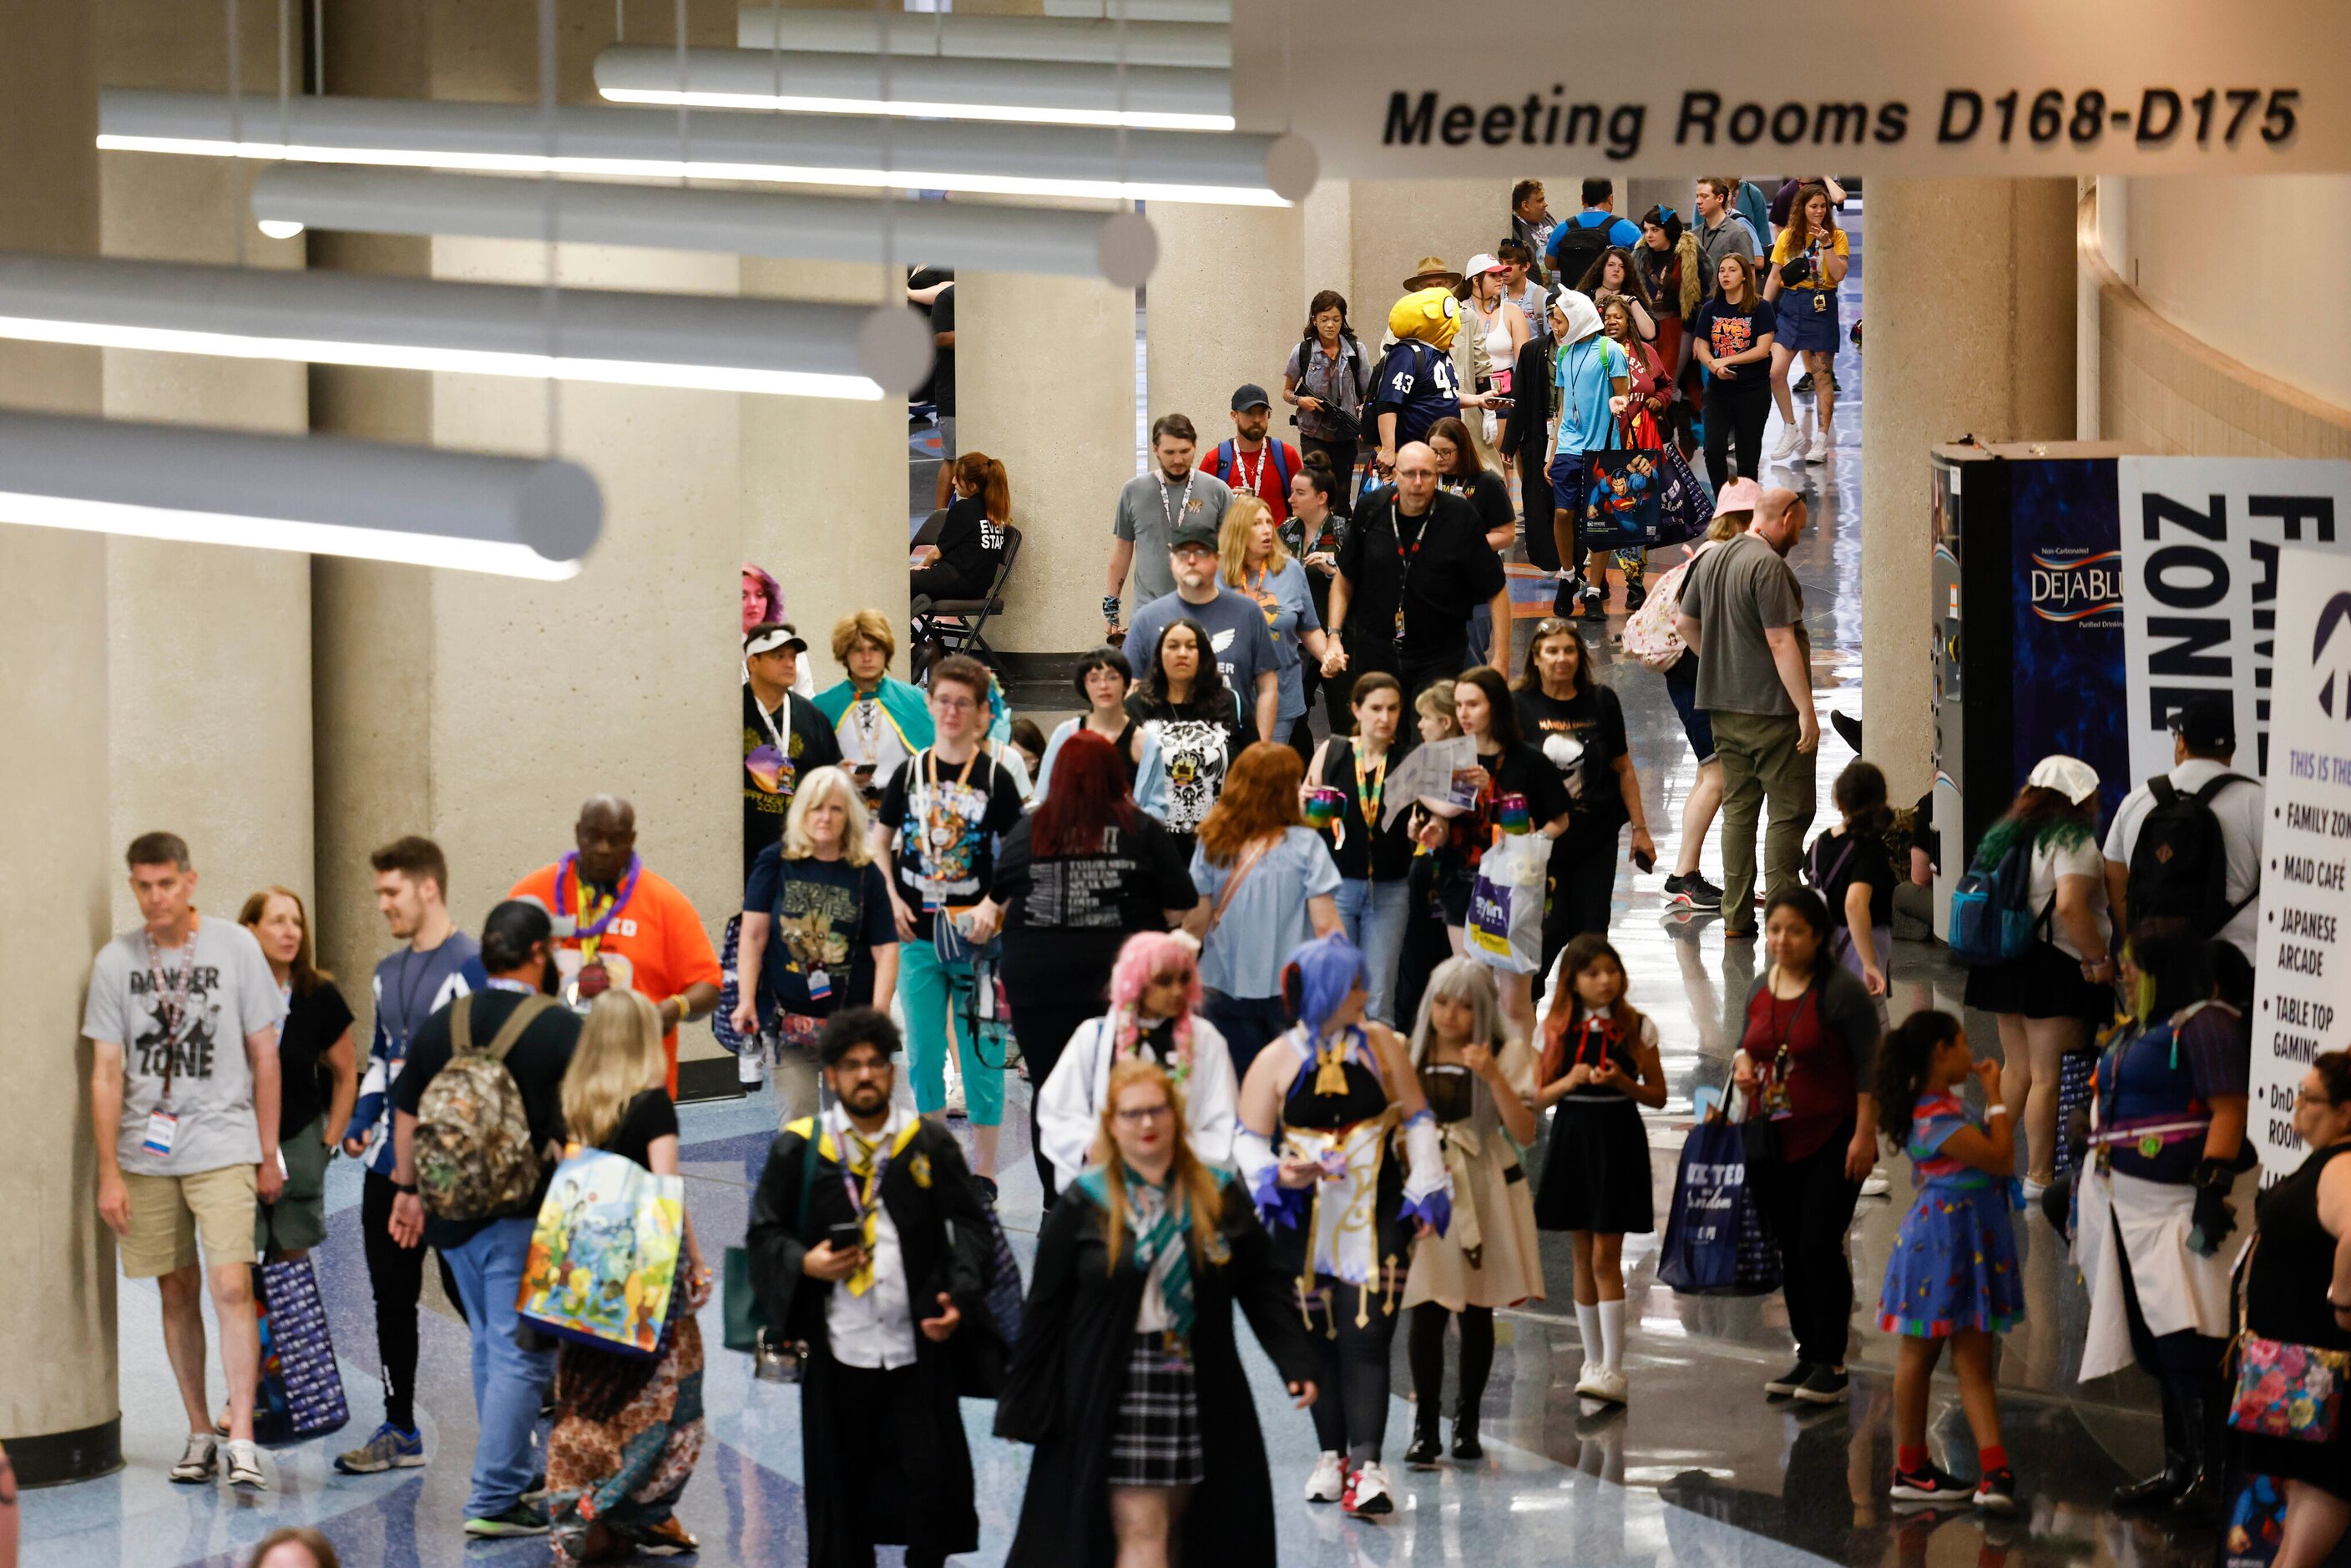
(1953, 1273)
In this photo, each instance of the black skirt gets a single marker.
(1158, 1441)
(1595, 1174)
(2047, 983)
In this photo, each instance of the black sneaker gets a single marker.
(1635, 595)
(987, 1190)
(1997, 1490)
(1788, 1382)
(1426, 1447)
(1803, 387)
(1565, 597)
(1826, 1385)
(1692, 892)
(1927, 1483)
(1836, 385)
(1595, 603)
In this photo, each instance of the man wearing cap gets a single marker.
(1151, 505)
(1244, 648)
(1249, 464)
(782, 739)
(2203, 744)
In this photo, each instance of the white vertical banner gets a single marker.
(2303, 972)
(2202, 538)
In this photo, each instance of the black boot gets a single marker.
(2177, 1471)
(1466, 1445)
(1426, 1447)
(2204, 1420)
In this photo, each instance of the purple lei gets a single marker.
(566, 869)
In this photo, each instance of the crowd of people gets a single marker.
(1293, 1011)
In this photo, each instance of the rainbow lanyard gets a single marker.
(1368, 799)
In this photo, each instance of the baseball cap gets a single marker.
(2069, 775)
(770, 635)
(1739, 496)
(1193, 532)
(1249, 395)
(2206, 723)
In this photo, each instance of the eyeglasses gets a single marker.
(1145, 1115)
(953, 705)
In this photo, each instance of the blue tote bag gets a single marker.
(1715, 1241)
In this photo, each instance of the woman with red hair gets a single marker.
(1154, 1005)
(1075, 876)
(1267, 885)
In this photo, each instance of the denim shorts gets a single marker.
(1681, 685)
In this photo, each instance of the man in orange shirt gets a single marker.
(618, 923)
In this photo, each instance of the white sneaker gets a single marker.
(1818, 449)
(1329, 1479)
(1602, 1385)
(1790, 440)
(198, 1460)
(1587, 1379)
(1367, 1491)
(747, 1070)
(954, 1100)
(245, 1466)
(1877, 1184)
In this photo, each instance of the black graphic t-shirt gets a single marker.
(1194, 753)
(1127, 886)
(230, 994)
(1581, 737)
(824, 915)
(769, 776)
(944, 820)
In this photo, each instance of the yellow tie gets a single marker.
(1331, 1068)
(869, 1209)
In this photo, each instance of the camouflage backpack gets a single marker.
(474, 1160)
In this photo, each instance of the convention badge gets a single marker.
(563, 926)
(1777, 1105)
(593, 981)
(820, 984)
(919, 1167)
(162, 1128)
(1399, 626)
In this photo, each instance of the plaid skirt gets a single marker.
(1157, 1441)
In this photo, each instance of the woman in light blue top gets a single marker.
(1267, 887)
(1252, 560)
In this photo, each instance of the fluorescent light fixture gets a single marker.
(516, 516)
(276, 229)
(1076, 40)
(711, 343)
(785, 149)
(1059, 241)
(1144, 10)
(808, 81)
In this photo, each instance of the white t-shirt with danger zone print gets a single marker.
(231, 994)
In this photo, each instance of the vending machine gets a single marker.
(2027, 629)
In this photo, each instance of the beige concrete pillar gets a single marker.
(1970, 338)
(211, 672)
(1328, 215)
(825, 504)
(57, 855)
(1045, 382)
(1224, 306)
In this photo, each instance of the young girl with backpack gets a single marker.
(1849, 867)
(1599, 1066)
(1953, 1274)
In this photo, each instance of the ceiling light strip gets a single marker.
(1199, 46)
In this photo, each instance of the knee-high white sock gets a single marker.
(1612, 1334)
(1587, 1323)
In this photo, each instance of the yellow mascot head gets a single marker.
(1430, 315)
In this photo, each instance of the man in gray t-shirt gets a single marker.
(1237, 637)
(1742, 612)
(182, 1021)
(1150, 508)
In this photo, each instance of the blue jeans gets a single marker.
(1246, 1022)
(926, 990)
(510, 1382)
(1373, 914)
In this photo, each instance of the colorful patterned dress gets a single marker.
(1954, 1261)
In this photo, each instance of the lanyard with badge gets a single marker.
(1405, 556)
(1778, 1104)
(1183, 503)
(597, 911)
(933, 802)
(171, 1017)
(775, 732)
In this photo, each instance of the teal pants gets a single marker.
(935, 997)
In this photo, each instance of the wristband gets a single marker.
(1110, 609)
(1992, 1111)
(406, 1189)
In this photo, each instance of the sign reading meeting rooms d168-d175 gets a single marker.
(1401, 88)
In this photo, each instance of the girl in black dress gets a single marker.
(1599, 1066)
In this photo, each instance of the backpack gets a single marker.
(1221, 463)
(1577, 245)
(1649, 635)
(475, 1158)
(2179, 867)
(1992, 921)
(1820, 881)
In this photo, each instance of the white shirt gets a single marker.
(875, 1330)
(2237, 809)
(1068, 1108)
(2078, 859)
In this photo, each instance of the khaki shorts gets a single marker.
(167, 1211)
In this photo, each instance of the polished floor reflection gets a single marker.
(1700, 1471)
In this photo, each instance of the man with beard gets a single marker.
(1249, 464)
(1151, 507)
(1413, 567)
(869, 1246)
(1742, 614)
(514, 1020)
(1242, 644)
(617, 923)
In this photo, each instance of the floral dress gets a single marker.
(1954, 1261)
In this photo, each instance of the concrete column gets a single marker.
(1329, 215)
(1045, 382)
(1226, 305)
(211, 674)
(825, 503)
(1966, 338)
(57, 856)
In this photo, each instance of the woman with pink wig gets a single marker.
(1154, 1002)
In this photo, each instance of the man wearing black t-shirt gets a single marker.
(1412, 569)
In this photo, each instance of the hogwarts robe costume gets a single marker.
(1068, 1373)
(910, 1481)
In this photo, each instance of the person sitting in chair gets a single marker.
(970, 546)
